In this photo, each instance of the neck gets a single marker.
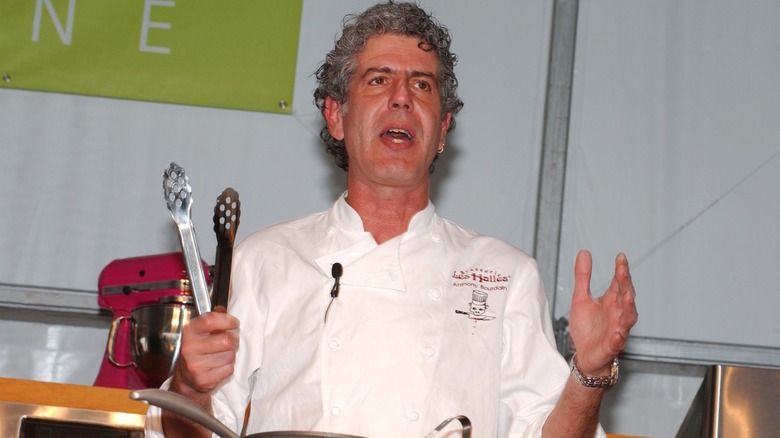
(386, 212)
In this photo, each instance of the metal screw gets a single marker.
(6, 78)
(283, 104)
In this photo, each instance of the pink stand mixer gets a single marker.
(152, 297)
(151, 301)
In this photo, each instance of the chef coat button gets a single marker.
(331, 231)
(334, 344)
(429, 351)
(414, 416)
(335, 411)
(435, 293)
(436, 237)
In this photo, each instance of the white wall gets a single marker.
(674, 158)
(59, 352)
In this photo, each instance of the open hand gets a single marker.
(600, 326)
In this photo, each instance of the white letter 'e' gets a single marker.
(146, 24)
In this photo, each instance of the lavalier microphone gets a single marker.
(336, 271)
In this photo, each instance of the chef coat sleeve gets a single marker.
(533, 371)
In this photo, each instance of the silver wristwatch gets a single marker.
(596, 382)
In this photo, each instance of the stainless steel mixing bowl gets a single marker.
(155, 339)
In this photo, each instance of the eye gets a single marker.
(423, 85)
(379, 80)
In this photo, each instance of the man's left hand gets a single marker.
(600, 326)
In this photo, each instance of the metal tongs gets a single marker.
(178, 197)
(227, 215)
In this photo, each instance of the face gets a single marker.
(392, 125)
(477, 309)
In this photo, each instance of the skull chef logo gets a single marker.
(477, 307)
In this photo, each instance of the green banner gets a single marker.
(236, 54)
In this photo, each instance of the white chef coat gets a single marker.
(437, 322)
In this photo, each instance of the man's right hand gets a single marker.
(207, 357)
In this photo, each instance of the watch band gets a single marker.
(596, 382)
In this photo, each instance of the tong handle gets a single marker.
(178, 197)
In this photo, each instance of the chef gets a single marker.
(395, 354)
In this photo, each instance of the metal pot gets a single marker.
(183, 406)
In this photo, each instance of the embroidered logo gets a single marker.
(486, 280)
(478, 307)
(481, 282)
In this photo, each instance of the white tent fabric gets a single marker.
(674, 159)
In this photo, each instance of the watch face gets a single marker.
(46, 428)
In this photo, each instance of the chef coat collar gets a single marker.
(365, 263)
(346, 216)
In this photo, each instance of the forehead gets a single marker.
(399, 52)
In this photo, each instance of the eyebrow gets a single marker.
(388, 70)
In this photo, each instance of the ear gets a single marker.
(445, 125)
(334, 117)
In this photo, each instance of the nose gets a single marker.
(400, 97)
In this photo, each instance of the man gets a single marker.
(427, 320)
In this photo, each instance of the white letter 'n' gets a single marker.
(65, 34)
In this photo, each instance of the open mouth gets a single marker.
(397, 135)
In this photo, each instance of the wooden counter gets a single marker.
(70, 396)
(82, 397)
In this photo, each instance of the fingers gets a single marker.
(625, 298)
(208, 351)
(205, 373)
(210, 333)
(622, 274)
(211, 322)
(583, 266)
(626, 292)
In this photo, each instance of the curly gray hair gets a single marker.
(408, 19)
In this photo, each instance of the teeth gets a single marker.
(396, 131)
